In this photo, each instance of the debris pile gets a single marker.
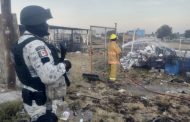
(152, 54)
(145, 53)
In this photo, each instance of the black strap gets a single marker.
(25, 42)
(22, 69)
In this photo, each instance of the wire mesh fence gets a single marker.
(74, 39)
(99, 38)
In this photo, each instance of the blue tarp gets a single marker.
(174, 66)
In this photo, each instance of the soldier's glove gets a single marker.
(67, 81)
(68, 64)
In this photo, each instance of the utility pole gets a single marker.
(9, 37)
(115, 28)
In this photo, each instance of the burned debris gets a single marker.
(150, 53)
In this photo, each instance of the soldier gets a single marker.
(38, 67)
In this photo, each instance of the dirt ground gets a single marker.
(138, 95)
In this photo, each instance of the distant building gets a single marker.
(128, 36)
(139, 33)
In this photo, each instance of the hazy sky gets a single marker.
(129, 14)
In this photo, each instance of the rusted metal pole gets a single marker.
(115, 28)
(90, 49)
(9, 34)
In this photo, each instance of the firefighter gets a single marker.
(113, 57)
(38, 67)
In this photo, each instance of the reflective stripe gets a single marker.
(29, 88)
(111, 53)
(113, 62)
(113, 79)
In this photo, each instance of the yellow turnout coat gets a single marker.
(113, 53)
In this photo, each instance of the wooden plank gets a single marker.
(10, 35)
(2, 57)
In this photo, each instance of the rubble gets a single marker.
(145, 53)
(152, 54)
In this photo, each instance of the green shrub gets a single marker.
(10, 112)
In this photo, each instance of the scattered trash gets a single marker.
(122, 90)
(143, 97)
(164, 81)
(61, 107)
(151, 53)
(172, 92)
(74, 96)
(78, 52)
(187, 77)
(86, 115)
(129, 119)
(78, 93)
(146, 82)
(187, 74)
(179, 90)
(91, 77)
(81, 120)
(65, 115)
(164, 119)
(2, 90)
(176, 80)
(162, 70)
(183, 92)
(172, 65)
(147, 53)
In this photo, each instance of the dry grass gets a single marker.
(175, 45)
(114, 106)
(80, 64)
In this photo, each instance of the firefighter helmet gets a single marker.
(113, 36)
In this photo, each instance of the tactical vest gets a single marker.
(25, 76)
(22, 69)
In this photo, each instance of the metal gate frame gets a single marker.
(106, 39)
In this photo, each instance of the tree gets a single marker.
(164, 31)
(174, 35)
(187, 34)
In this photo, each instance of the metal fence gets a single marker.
(99, 38)
(75, 39)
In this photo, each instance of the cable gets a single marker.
(156, 92)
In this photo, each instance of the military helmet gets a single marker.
(34, 15)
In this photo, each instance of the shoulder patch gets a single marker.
(42, 52)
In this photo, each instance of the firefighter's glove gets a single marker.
(68, 64)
